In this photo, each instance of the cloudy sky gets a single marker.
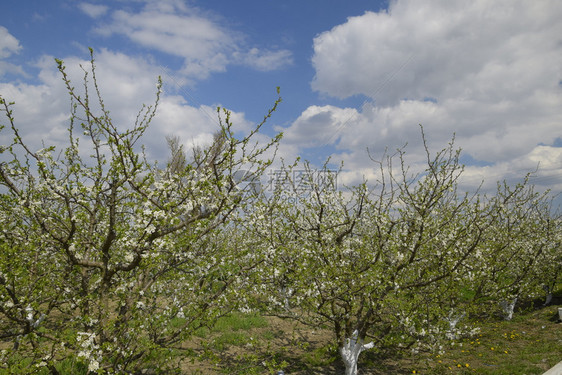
(354, 75)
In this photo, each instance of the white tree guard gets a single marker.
(508, 308)
(548, 292)
(451, 334)
(351, 350)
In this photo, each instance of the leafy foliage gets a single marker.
(401, 263)
(109, 263)
(102, 250)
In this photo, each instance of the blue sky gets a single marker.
(353, 75)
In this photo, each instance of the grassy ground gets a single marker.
(245, 344)
(531, 343)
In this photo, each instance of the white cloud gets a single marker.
(318, 126)
(543, 163)
(42, 111)
(93, 10)
(458, 49)
(266, 60)
(9, 45)
(6, 67)
(488, 71)
(198, 38)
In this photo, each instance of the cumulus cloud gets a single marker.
(9, 45)
(543, 164)
(265, 60)
(93, 10)
(126, 83)
(453, 44)
(318, 125)
(488, 72)
(198, 38)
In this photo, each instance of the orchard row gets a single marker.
(108, 262)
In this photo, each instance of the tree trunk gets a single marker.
(350, 352)
(508, 308)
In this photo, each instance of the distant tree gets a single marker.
(384, 267)
(178, 157)
(108, 262)
(521, 250)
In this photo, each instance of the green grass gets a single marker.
(253, 344)
(528, 344)
(233, 322)
(239, 321)
(18, 365)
